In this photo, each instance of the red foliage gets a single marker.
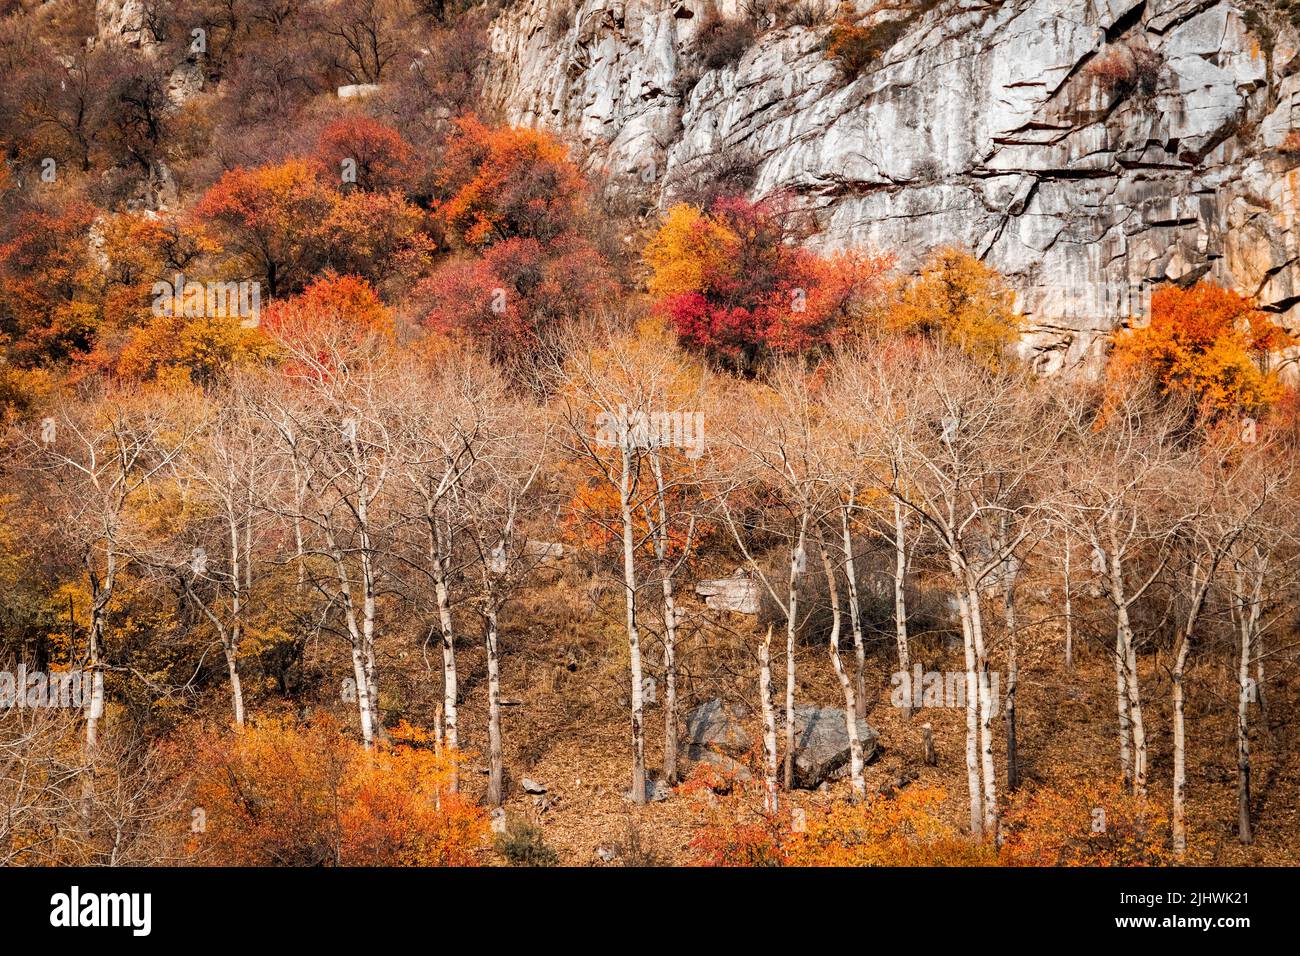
(382, 156)
(517, 291)
(753, 292)
(334, 307)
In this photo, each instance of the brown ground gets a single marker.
(575, 739)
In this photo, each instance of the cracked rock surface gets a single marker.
(992, 125)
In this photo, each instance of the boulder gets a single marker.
(716, 733)
(821, 740)
(738, 593)
(357, 90)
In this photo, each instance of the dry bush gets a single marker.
(854, 48)
(1124, 70)
(1085, 824)
(721, 41)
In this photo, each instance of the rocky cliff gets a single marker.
(1089, 149)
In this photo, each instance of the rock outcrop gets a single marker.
(1089, 149)
(821, 742)
(716, 733)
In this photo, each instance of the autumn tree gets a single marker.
(271, 221)
(505, 183)
(957, 299)
(632, 416)
(732, 282)
(374, 152)
(1208, 341)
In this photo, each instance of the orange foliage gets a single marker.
(283, 795)
(49, 306)
(272, 219)
(1207, 340)
(344, 303)
(379, 236)
(508, 183)
(1084, 824)
(904, 830)
(382, 156)
(958, 299)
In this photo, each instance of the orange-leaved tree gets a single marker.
(272, 222)
(502, 183)
(1207, 340)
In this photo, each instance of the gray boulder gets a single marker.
(716, 733)
(821, 740)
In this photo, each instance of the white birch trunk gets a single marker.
(769, 722)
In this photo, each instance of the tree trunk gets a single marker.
(1179, 822)
(1069, 616)
(797, 558)
(450, 736)
(987, 705)
(900, 593)
(495, 769)
(236, 687)
(855, 612)
(1013, 674)
(846, 685)
(670, 684)
(1121, 703)
(769, 721)
(633, 637)
(972, 711)
(1247, 626)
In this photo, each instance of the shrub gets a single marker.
(854, 48)
(560, 22)
(501, 183)
(1291, 145)
(1085, 824)
(733, 284)
(721, 41)
(905, 830)
(282, 794)
(805, 13)
(1123, 70)
(523, 844)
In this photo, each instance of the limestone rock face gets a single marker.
(995, 125)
